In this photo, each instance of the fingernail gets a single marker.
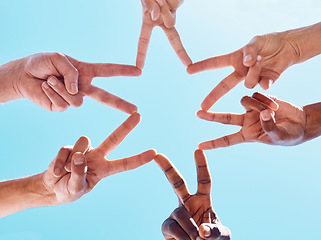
(79, 160)
(57, 171)
(265, 116)
(153, 15)
(247, 58)
(52, 81)
(74, 88)
(270, 83)
(259, 58)
(207, 231)
(45, 85)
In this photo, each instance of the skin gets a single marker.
(88, 166)
(195, 218)
(160, 13)
(55, 81)
(262, 60)
(267, 120)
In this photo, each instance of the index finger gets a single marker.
(221, 89)
(177, 45)
(203, 173)
(119, 134)
(143, 42)
(210, 63)
(106, 98)
(174, 177)
(112, 70)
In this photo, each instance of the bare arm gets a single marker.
(19, 194)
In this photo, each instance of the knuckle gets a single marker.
(78, 101)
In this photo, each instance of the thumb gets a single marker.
(214, 232)
(77, 183)
(251, 52)
(270, 128)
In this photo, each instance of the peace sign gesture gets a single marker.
(197, 207)
(98, 166)
(261, 61)
(267, 120)
(55, 81)
(160, 13)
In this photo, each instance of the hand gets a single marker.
(194, 210)
(160, 13)
(69, 184)
(267, 120)
(261, 61)
(55, 81)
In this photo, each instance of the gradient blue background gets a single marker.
(259, 191)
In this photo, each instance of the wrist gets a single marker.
(305, 41)
(10, 78)
(313, 121)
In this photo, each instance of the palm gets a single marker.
(200, 208)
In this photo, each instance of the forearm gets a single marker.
(9, 75)
(313, 121)
(306, 41)
(19, 194)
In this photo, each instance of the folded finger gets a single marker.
(67, 71)
(214, 232)
(266, 82)
(82, 145)
(57, 103)
(220, 90)
(173, 231)
(225, 118)
(250, 103)
(77, 184)
(109, 99)
(185, 221)
(129, 163)
(174, 177)
(268, 101)
(169, 17)
(177, 45)
(57, 166)
(73, 100)
(277, 134)
(119, 134)
(253, 76)
(225, 141)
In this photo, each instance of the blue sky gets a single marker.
(259, 191)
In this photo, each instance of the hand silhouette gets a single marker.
(267, 120)
(194, 210)
(160, 13)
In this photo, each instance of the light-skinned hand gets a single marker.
(261, 61)
(55, 81)
(98, 166)
(160, 13)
